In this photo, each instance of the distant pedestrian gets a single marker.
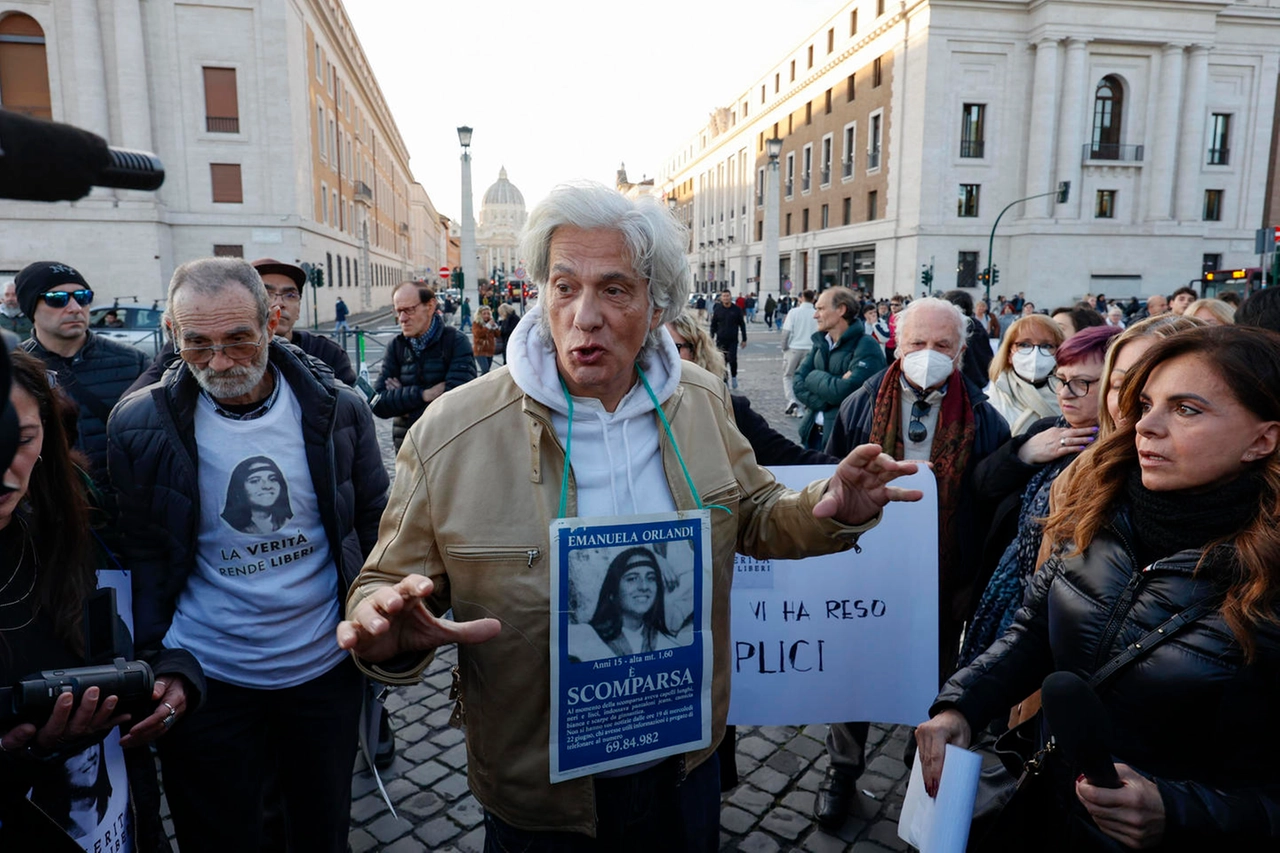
(701, 306)
(11, 316)
(727, 320)
(484, 336)
(770, 307)
(465, 319)
(751, 308)
(340, 312)
(508, 319)
(797, 339)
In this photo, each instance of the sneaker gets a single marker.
(734, 383)
(791, 408)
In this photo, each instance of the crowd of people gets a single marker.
(1106, 478)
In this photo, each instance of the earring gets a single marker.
(39, 459)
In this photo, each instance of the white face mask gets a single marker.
(926, 368)
(1033, 366)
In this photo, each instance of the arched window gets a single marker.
(24, 72)
(1108, 109)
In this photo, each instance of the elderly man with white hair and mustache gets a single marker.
(256, 605)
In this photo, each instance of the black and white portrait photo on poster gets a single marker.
(639, 599)
(257, 497)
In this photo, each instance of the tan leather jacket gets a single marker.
(477, 486)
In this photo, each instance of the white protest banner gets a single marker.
(849, 636)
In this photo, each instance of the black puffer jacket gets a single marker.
(448, 359)
(153, 463)
(96, 377)
(1190, 714)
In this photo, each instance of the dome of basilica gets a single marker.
(503, 192)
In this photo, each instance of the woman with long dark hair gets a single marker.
(48, 560)
(257, 497)
(1171, 532)
(630, 614)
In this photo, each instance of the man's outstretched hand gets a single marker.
(860, 486)
(394, 619)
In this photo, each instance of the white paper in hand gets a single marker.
(941, 824)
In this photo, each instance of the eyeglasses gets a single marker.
(1076, 387)
(1025, 347)
(412, 309)
(60, 298)
(286, 295)
(916, 430)
(200, 356)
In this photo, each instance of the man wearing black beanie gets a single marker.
(93, 370)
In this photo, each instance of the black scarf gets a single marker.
(1165, 523)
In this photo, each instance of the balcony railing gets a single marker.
(1219, 156)
(222, 124)
(363, 193)
(804, 184)
(759, 200)
(1113, 151)
(971, 147)
(873, 158)
(826, 176)
(791, 186)
(848, 168)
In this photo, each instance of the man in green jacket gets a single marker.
(843, 357)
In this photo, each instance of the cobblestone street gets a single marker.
(780, 767)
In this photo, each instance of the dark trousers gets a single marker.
(216, 761)
(730, 350)
(648, 811)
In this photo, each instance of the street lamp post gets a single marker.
(769, 263)
(470, 278)
(1062, 192)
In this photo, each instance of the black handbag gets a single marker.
(1012, 784)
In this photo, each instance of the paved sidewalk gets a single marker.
(780, 766)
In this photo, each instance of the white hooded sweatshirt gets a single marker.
(616, 456)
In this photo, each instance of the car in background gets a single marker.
(135, 325)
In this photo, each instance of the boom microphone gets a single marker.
(1081, 727)
(48, 161)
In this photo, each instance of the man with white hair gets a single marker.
(595, 415)
(250, 483)
(922, 407)
(12, 318)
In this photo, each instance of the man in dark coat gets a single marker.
(922, 407)
(426, 359)
(843, 357)
(727, 320)
(285, 284)
(93, 370)
(251, 485)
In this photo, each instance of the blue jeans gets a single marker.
(648, 811)
(485, 362)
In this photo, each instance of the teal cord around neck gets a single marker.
(666, 426)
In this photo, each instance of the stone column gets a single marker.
(1071, 134)
(85, 92)
(126, 77)
(1158, 171)
(1191, 153)
(1044, 103)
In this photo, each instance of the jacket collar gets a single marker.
(850, 336)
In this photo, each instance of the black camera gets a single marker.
(31, 699)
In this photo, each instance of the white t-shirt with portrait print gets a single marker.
(261, 605)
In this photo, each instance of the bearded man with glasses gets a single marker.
(259, 608)
(922, 407)
(95, 371)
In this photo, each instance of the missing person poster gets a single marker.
(630, 640)
(847, 636)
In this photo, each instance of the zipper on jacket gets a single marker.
(493, 552)
(455, 696)
(1123, 604)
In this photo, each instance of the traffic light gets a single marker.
(316, 277)
(1064, 191)
(926, 277)
(982, 276)
(455, 277)
(995, 275)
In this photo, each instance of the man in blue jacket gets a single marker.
(843, 357)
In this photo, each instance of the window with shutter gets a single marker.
(221, 108)
(225, 178)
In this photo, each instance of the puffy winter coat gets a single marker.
(448, 359)
(153, 465)
(96, 377)
(820, 383)
(1190, 714)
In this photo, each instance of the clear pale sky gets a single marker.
(565, 89)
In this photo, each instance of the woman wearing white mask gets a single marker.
(1019, 388)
